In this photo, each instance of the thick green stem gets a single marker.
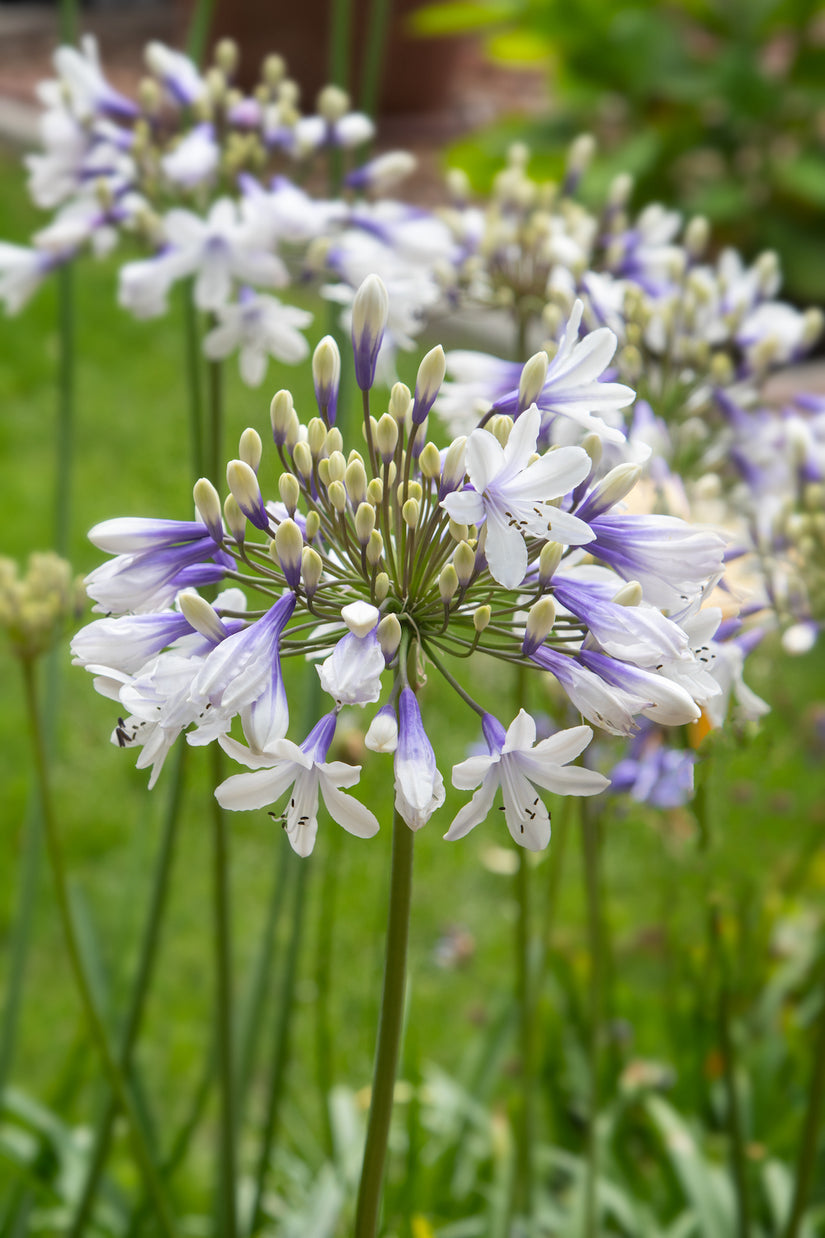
(280, 1051)
(214, 446)
(374, 59)
(20, 937)
(140, 990)
(227, 1211)
(590, 846)
(728, 1051)
(118, 1083)
(525, 1176)
(194, 381)
(811, 1132)
(323, 979)
(64, 439)
(197, 35)
(389, 1031)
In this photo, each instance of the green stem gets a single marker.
(118, 1083)
(140, 990)
(590, 846)
(728, 1051)
(198, 32)
(194, 379)
(389, 1030)
(323, 977)
(280, 1052)
(811, 1131)
(64, 441)
(224, 1009)
(214, 446)
(378, 24)
(525, 1176)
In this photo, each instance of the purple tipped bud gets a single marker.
(370, 311)
(246, 492)
(428, 382)
(326, 374)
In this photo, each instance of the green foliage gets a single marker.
(714, 107)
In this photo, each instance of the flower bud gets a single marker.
(400, 400)
(386, 437)
(355, 480)
(375, 548)
(458, 532)
(335, 441)
(370, 311)
(630, 594)
(428, 382)
(549, 560)
(532, 380)
(453, 471)
(243, 483)
(447, 583)
(326, 375)
(280, 415)
(323, 472)
(697, 234)
(332, 103)
(337, 495)
(382, 733)
(501, 428)
(375, 492)
(289, 545)
(302, 459)
(311, 569)
(289, 491)
(389, 636)
(410, 513)
(360, 617)
(464, 561)
(612, 488)
(250, 448)
(364, 522)
(200, 615)
(273, 70)
(235, 519)
(430, 462)
(208, 504)
(540, 620)
(382, 586)
(336, 466)
(316, 437)
(412, 490)
(313, 525)
(481, 617)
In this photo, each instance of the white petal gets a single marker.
(348, 811)
(476, 810)
(506, 552)
(521, 733)
(243, 792)
(468, 774)
(484, 458)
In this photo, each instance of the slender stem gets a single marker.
(374, 60)
(224, 1008)
(140, 989)
(84, 984)
(728, 1050)
(280, 1051)
(194, 379)
(323, 976)
(811, 1131)
(64, 441)
(198, 32)
(214, 446)
(590, 846)
(339, 43)
(21, 936)
(389, 1030)
(525, 1176)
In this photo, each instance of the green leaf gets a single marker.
(705, 1187)
(460, 18)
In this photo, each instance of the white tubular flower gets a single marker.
(194, 160)
(306, 771)
(382, 734)
(352, 672)
(419, 787)
(177, 72)
(516, 763)
(513, 495)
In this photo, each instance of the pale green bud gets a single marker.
(302, 459)
(400, 401)
(337, 466)
(243, 482)
(447, 583)
(501, 428)
(335, 440)
(375, 492)
(273, 70)
(630, 594)
(532, 379)
(332, 103)
(617, 483)
(202, 617)
(428, 382)
(458, 532)
(326, 370)
(481, 617)
(311, 569)
(316, 436)
(453, 473)
(594, 447)
(208, 504)
(549, 560)
(410, 513)
(430, 462)
(289, 491)
(540, 620)
(721, 369)
(621, 187)
(812, 329)
(364, 522)
(227, 56)
(386, 437)
(337, 495)
(289, 546)
(355, 480)
(697, 234)
(235, 519)
(250, 448)
(581, 152)
(313, 525)
(413, 491)
(464, 561)
(389, 636)
(375, 548)
(281, 409)
(323, 471)
(382, 586)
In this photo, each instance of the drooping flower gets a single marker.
(517, 764)
(419, 787)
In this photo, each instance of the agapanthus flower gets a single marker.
(259, 326)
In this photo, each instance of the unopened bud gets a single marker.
(501, 428)
(410, 513)
(355, 480)
(364, 522)
(316, 436)
(375, 548)
(311, 569)
(381, 587)
(630, 594)
(313, 525)
(375, 492)
(481, 617)
(336, 466)
(337, 495)
(227, 56)
(370, 310)
(289, 545)
(382, 733)
(430, 462)
(200, 615)
(335, 441)
(464, 561)
(540, 620)
(243, 483)
(289, 491)
(532, 380)
(208, 504)
(389, 636)
(235, 519)
(458, 532)
(302, 459)
(273, 70)
(386, 437)
(326, 375)
(428, 382)
(612, 488)
(408, 490)
(549, 560)
(400, 400)
(447, 583)
(250, 448)
(697, 234)
(453, 472)
(332, 103)
(280, 412)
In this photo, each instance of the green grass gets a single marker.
(132, 455)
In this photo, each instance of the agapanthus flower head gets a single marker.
(37, 607)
